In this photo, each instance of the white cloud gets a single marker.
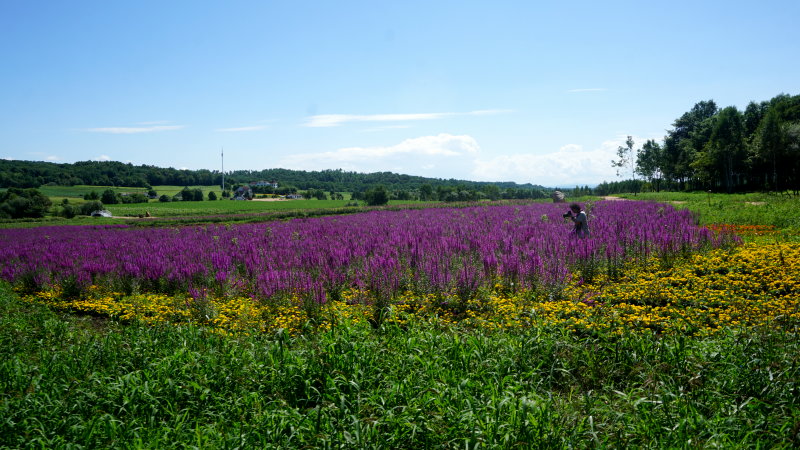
(335, 120)
(52, 158)
(240, 129)
(443, 155)
(103, 158)
(569, 166)
(135, 130)
(571, 148)
(461, 157)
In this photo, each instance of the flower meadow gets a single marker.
(487, 266)
(496, 328)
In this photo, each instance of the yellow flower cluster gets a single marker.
(149, 308)
(754, 285)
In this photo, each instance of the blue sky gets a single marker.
(531, 91)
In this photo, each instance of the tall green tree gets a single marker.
(426, 192)
(649, 163)
(752, 117)
(492, 192)
(791, 134)
(725, 149)
(769, 149)
(689, 135)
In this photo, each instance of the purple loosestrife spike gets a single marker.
(385, 249)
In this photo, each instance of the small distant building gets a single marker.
(262, 183)
(294, 197)
(243, 193)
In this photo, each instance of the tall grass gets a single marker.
(81, 381)
(742, 209)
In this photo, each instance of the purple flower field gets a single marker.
(386, 252)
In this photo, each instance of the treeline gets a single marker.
(453, 193)
(33, 174)
(345, 181)
(724, 150)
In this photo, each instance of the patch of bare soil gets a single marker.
(756, 203)
(269, 200)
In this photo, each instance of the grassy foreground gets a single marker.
(93, 383)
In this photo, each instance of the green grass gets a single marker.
(778, 210)
(78, 191)
(217, 207)
(93, 383)
(74, 194)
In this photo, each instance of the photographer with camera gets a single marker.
(580, 220)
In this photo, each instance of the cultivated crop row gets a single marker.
(382, 252)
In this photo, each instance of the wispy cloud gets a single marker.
(461, 157)
(241, 129)
(587, 90)
(568, 166)
(52, 158)
(335, 120)
(440, 155)
(135, 130)
(102, 158)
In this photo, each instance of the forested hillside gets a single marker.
(27, 174)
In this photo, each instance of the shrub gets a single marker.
(69, 211)
(134, 198)
(89, 207)
(191, 195)
(376, 196)
(109, 197)
(16, 203)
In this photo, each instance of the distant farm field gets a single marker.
(155, 208)
(223, 206)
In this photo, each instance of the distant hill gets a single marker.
(25, 174)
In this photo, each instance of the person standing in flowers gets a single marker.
(578, 217)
